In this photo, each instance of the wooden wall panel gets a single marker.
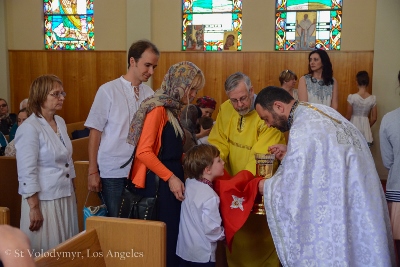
(264, 68)
(83, 72)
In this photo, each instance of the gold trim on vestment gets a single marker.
(239, 145)
(320, 111)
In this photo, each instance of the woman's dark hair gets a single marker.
(362, 78)
(327, 72)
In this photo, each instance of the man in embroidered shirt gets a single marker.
(238, 134)
(112, 111)
(325, 204)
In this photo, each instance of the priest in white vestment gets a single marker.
(325, 204)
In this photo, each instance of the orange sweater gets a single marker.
(148, 147)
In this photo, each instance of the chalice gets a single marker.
(264, 169)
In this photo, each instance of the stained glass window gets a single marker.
(68, 25)
(212, 25)
(308, 24)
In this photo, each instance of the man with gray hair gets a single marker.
(239, 134)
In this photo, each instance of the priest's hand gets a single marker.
(279, 150)
(261, 186)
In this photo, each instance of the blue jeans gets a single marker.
(112, 190)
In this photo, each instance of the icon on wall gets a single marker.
(195, 37)
(230, 41)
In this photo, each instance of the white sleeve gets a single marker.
(386, 146)
(211, 219)
(27, 146)
(98, 115)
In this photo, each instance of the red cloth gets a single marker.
(243, 188)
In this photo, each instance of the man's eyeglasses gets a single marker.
(241, 100)
(3, 105)
(59, 94)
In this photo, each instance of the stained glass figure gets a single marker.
(68, 24)
(204, 23)
(308, 24)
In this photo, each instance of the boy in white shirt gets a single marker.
(200, 222)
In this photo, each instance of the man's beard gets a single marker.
(280, 122)
(244, 111)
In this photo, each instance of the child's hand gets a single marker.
(203, 132)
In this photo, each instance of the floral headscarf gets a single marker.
(206, 102)
(176, 82)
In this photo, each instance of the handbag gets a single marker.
(136, 206)
(90, 211)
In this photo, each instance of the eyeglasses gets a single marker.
(241, 100)
(3, 105)
(59, 94)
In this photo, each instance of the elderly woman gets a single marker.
(23, 114)
(158, 136)
(45, 168)
(6, 119)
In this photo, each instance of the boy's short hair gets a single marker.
(198, 158)
(206, 122)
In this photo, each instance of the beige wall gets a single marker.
(118, 21)
(386, 68)
(258, 25)
(4, 81)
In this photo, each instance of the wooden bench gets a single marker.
(75, 126)
(81, 190)
(111, 242)
(4, 215)
(9, 196)
(80, 149)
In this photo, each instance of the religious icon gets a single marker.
(195, 37)
(230, 40)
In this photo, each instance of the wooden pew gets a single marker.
(4, 215)
(9, 196)
(111, 242)
(74, 126)
(80, 149)
(81, 190)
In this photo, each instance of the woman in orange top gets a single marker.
(158, 136)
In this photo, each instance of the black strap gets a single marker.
(157, 180)
(129, 160)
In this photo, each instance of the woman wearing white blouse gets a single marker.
(45, 168)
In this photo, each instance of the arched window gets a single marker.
(308, 24)
(68, 24)
(212, 25)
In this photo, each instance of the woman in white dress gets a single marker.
(319, 86)
(45, 168)
(361, 107)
